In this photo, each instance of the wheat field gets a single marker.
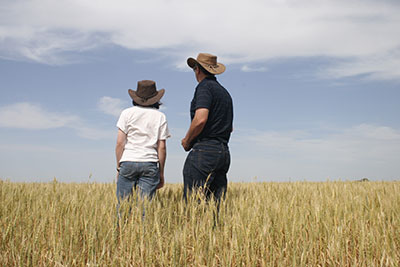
(258, 224)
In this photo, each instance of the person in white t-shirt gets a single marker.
(141, 143)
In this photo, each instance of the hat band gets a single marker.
(208, 65)
(145, 98)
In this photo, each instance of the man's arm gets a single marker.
(162, 155)
(196, 127)
(119, 148)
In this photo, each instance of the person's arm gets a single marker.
(162, 155)
(196, 127)
(119, 148)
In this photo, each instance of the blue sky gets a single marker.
(316, 84)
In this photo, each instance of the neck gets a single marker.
(201, 76)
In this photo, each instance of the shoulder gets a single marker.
(205, 87)
(127, 111)
(208, 82)
(160, 114)
(154, 112)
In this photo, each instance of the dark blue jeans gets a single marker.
(206, 167)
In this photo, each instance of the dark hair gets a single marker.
(203, 70)
(155, 105)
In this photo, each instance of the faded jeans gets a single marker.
(143, 176)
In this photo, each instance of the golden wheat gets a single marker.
(258, 224)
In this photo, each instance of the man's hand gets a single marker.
(161, 184)
(185, 144)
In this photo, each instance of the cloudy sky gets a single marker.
(315, 83)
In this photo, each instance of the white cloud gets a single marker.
(362, 32)
(247, 68)
(360, 151)
(111, 106)
(30, 116)
(379, 67)
(90, 132)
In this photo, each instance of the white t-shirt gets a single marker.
(143, 126)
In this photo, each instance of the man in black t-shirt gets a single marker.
(211, 113)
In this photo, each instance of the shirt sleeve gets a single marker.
(203, 97)
(121, 124)
(163, 132)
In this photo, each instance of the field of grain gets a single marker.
(259, 224)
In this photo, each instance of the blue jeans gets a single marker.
(206, 167)
(143, 176)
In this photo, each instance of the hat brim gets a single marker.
(218, 69)
(146, 102)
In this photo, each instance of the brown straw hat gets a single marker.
(146, 93)
(208, 62)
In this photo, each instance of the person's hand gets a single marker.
(185, 144)
(116, 180)
(161, 183)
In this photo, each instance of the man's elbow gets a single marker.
(201, 117)
(202, 122)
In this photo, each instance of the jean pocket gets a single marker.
(124, 169)
(129, 169)
(151, 170)
(207, 160)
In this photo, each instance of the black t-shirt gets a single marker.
(211, 95)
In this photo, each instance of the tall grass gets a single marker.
(259, 224)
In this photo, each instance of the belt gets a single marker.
(212, 139)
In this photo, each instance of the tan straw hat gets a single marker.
(146, 93)
(208, 62)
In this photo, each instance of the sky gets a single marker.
(315, 84)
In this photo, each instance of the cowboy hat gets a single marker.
(146, 93)
(208, 62)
